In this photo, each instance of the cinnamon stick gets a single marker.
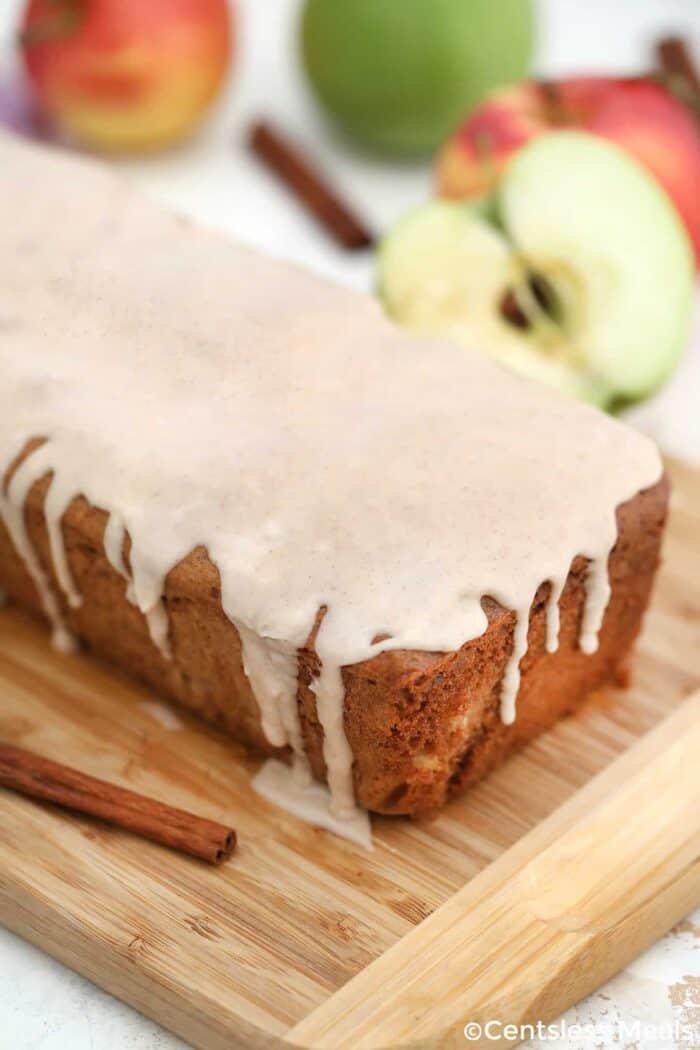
(680, 70)
(308, 186)
(40, 778)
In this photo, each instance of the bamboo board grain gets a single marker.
(251, 954)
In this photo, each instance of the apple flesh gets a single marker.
(126, 75)
(639, 115)
(397, 75)
(578, 271)
(446, 270)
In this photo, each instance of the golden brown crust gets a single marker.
(422, 726)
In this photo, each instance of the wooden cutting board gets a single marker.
(512, 903)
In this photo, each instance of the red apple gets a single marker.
(641, 116)
(126, 74)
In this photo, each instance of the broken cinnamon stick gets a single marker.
(680, 70)
(40, 778)
(288, 164)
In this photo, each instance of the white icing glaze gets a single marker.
(55, 505)
(598, 594)
(115, 534)
(271, 667)
(155, 614)
(12, 513)
(310, 802)
(158, 627)
(552, 614)
(205, 395)
(162, 713)
(511, 679)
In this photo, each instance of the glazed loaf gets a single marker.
(422, 726)
(246, 486)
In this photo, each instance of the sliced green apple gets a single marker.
(445, 269)
(584, 246)
(443, 265)
(598, 228)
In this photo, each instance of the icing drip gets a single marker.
(158, 627)
(552, 617)
(155, 614)
(162, 713)
(511, 678)
(330, 694)
(597, 597)
(323, 458)
(271, 669)
(310, 802)
(12, 514)
(56, 504)
(113, 541)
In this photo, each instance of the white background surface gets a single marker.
(43, 1006)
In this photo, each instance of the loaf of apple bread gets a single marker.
(422, 725)
(244, 485)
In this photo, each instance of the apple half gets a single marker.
(577, 272)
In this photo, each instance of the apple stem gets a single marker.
(679, 73)
(682, 90)
(557, 113)
(64, 22)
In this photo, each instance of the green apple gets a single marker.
(398, 75)
(585, 247)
